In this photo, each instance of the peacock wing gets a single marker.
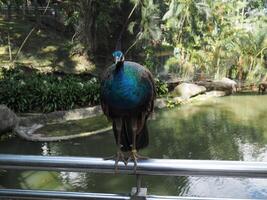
(105, 77)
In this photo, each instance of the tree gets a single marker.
(216, 36)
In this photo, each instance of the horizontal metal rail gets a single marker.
(165, 167)
(41, 194)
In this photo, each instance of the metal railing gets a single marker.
(163, 167)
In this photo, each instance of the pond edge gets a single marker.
(28, 125)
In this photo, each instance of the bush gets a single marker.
(45, 93)
(161, 87)
(36, 92)
(172, 65)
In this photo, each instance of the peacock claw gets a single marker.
(134, 156)
(119, 156)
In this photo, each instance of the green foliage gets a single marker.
(150, 21)
(46, 93)
(161, 87)
(171, 103)
(150, 61)
(172, 65)
(213, 37)
(218, 37)
(7, 136)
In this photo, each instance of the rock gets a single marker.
(160, 103)
(170, 79)
(187, 90)
(8, 119)
(230, 82)
(61, 116)
(225, 84)
(215, 93)
(178, 100)
(262, 87)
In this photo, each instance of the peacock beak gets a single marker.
(117, 59)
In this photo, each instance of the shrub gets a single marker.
(36, 92)
(45, 93)
(161, 87)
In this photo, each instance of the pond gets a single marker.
(227, 128)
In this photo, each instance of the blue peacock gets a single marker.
(127, 99)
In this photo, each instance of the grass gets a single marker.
(46, 50)
(75, 126)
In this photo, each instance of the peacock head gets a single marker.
(118, 57)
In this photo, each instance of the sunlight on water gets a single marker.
(228, 128)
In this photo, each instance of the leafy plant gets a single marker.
(46, 93)
(218, 37)
(161, 87)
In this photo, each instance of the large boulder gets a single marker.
(8, 119)
(187, 90)
(225, 84)
(160, 103)
(262, 87)
(170, 79)
(231, 82)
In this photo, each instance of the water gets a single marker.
(228, 128)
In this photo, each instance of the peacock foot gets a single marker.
(134, 156)
(119, 156)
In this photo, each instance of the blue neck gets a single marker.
(119, 66)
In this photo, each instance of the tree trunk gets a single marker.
(240, 69)
(87, 26)
(26, 7)
(17, 8)
(9, 46)
(23, 10)
(36, 13)
(9, 11)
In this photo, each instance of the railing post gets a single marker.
(138, 193)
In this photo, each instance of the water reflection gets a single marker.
(229, 128)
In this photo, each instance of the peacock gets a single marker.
(127, 99)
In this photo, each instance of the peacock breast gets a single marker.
(127, 87)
